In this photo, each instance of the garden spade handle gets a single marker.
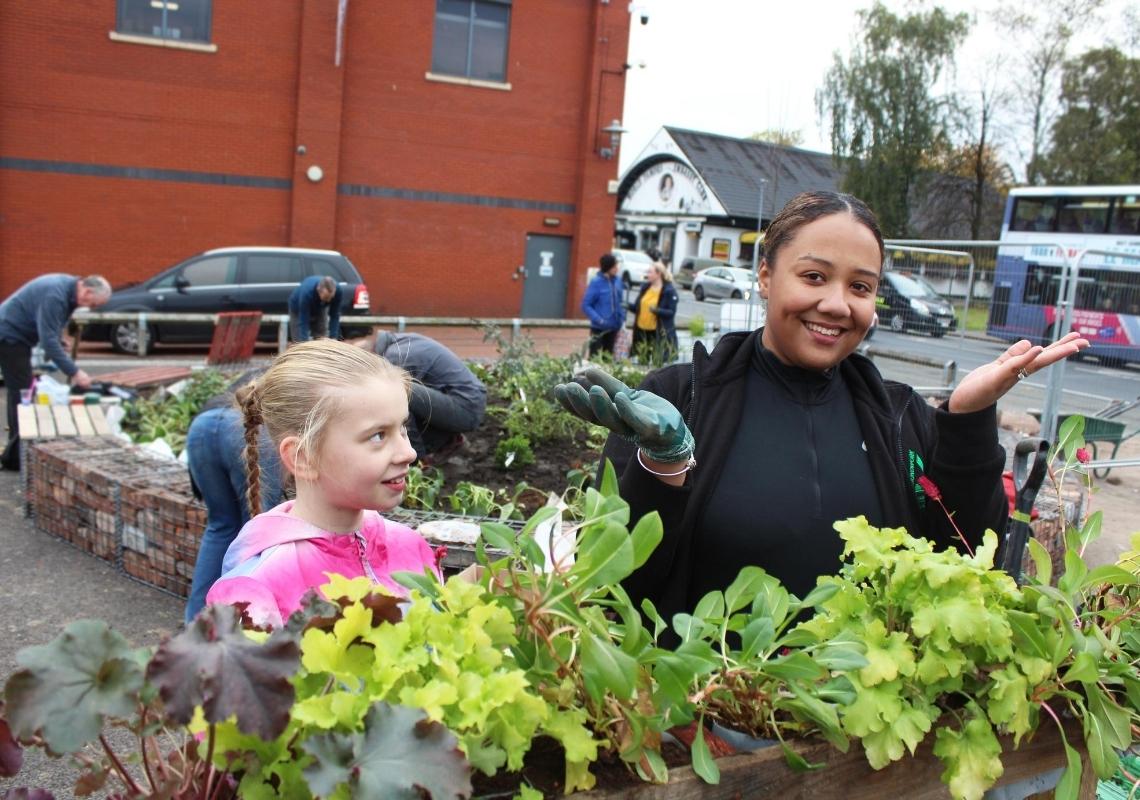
(1026, 483)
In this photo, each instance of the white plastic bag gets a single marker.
(59, 394)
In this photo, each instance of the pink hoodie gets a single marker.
(278, 557)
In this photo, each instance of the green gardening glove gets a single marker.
(648, 421)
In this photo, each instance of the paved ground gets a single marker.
(45, 585)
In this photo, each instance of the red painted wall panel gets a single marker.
(74, 98)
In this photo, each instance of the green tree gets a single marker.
(881, 105)
(1096, 139)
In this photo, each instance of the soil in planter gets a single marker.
(475, 462)
(544, 768)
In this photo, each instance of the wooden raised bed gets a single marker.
(848, 775)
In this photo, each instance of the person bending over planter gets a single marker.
(447, 399)
(37, 313)
(314, 309)
(751, 453)
(215, 444)
(336, 415)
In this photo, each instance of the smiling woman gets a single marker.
(751, 453)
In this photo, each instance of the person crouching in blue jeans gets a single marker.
(214, 447)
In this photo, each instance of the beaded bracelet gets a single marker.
(692, 462)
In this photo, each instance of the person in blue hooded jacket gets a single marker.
(605, 306)
(314, 309)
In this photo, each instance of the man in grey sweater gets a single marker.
(447, 399)
(36, 314)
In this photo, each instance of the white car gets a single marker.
(730, 282)
(633, 266)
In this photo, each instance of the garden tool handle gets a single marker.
(1027, 479)
(1027, 482)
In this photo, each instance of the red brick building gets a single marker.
(428, 141)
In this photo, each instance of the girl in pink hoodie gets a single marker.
(336, 414)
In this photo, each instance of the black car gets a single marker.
(906, 302)
(227, 279)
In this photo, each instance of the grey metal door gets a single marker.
(545, 276)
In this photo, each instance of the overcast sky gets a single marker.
(739, 66)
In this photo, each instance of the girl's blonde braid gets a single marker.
(249, 402)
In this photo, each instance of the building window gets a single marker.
(471, 39)
(180, 20)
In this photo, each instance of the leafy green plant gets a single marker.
(514, 452)
(955, 647)
(697, 325)
(526, 379)
(574, 495)
(422, 488)
(168, 416)
(473, 500)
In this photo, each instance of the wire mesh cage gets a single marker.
(121, 504)
(73, 494)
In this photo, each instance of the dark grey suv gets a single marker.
(228, 279)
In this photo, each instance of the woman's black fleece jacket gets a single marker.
(905, 438)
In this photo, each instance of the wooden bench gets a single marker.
(48, 422)
(145, 377)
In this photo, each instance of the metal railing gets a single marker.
(142, 320)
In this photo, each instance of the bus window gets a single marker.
(1034, 214)
(1083, 215)
(1041, 284)
(1126, 215)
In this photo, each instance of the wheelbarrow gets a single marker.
(1100, 432)
(1027, 480)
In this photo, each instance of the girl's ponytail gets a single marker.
(249, 401)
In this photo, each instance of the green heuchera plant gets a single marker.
(212, 710)
(956, 647)
(449, 655)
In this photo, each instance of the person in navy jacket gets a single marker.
(604, 305)
(314, 309)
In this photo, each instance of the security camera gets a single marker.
(644, 17)
(301, 150)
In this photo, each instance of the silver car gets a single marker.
(731, 282)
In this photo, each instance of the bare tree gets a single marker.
(1043, 31)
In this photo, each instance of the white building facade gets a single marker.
(696, 195)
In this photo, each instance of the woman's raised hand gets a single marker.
(648, 421)
(985, 385)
